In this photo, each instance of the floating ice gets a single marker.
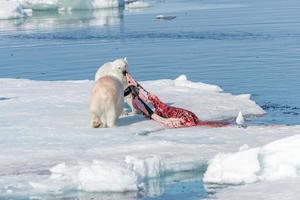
(70, 4)
(11, 9)
(101, 176)
(165, 17)
(47, 141)
(39, 4)
(98, 176)
(137, 5)
(277, 160)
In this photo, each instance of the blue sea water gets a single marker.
(244, 46)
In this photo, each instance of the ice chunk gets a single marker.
(70, 4)
(39, 4)
(146, 168)
(277, 160)
(165, 17)
(98, 176)
(137, 5)
(105, 176)
(11, 9)
(237, 168)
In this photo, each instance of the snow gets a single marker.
(70, 4)
(237, 168)
(39, 4)
(277, 160)
(47, 145)
(11, 9)
(287, 189)
(97, 176)
(137, 5)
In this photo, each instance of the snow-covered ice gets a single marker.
(138, 5)
(70, 4)
(277, 160)
(11, 9)
(287, 189)
(47, 144)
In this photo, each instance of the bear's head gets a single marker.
(120, 69)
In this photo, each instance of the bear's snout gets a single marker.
(124, 72)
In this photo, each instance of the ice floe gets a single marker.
(11, 9)
(277, 160)
(47, 145)
(70, 4)
(137, 5)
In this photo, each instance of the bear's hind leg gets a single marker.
(95, 121)
(111, 118)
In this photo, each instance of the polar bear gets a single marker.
(107, 69)
(110, 68)
(108, 93)
(106, 102)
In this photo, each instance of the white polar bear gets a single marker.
(106, 102)
(107, 69)
(108, 93)
(111, 68)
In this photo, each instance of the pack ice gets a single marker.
(47, 145)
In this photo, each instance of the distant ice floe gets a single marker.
(70, 4)
(275, 161)
(11, 9)
(137, 5)
(50, 20)
(164, 17)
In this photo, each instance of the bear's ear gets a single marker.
(125, 59)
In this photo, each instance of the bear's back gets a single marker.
(104, 70)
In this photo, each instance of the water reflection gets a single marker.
(49, 20)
